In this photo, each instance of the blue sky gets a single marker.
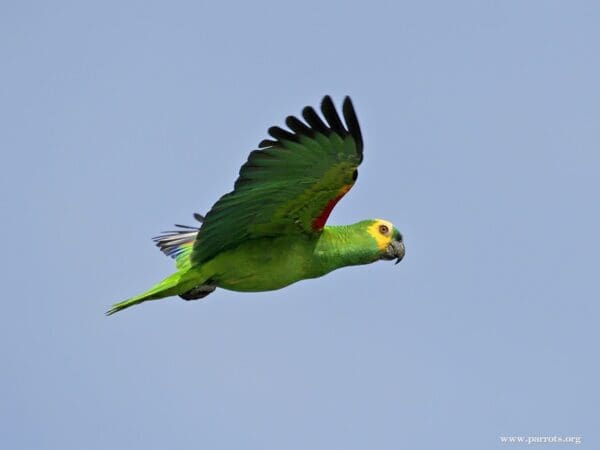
(481, 134)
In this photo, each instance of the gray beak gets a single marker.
(399, 250)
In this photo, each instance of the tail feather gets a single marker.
(176, 284)
(186, 283)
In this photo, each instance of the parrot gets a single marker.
(270, 231)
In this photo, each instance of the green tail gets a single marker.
(176, 284)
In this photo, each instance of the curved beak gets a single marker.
(398, 250)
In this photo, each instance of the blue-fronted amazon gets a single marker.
(270, 231)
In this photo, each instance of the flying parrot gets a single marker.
(270, 232)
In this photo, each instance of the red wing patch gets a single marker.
(319, 222)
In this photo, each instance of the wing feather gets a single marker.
(290, 184)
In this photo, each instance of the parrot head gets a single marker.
(388, 239)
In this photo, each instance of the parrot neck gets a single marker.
(347, 245)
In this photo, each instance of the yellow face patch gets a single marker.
(382, 231)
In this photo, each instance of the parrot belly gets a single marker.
(264, 264)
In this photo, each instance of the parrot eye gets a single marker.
(384, 229)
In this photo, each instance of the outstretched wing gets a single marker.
(290, 185)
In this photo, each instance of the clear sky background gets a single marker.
(481, 127)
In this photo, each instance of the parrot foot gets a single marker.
(198, 292)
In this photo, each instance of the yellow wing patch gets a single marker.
(382, 239)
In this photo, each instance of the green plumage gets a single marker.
(269, 231)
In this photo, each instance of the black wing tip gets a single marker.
(298, 127)
(280, 134)
(352, 123)
(313, 123)
(267, 143)
(327, 103)
(314, 120)
(332, 116)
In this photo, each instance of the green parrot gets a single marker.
(270, 232)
